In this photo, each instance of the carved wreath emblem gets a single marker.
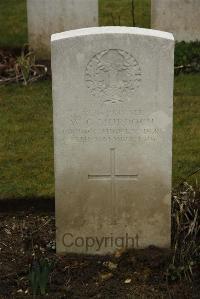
(113, 75)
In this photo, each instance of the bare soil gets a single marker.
(28, 233)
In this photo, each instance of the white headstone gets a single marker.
(181, 17)
(112, 99)
(46, 17)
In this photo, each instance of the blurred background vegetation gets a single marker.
(26, 141)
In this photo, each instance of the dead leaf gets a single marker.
(105, 276)
(110, 265)
(119, 253)
(128, 280)
(7, 231)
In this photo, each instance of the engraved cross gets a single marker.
(113, 177)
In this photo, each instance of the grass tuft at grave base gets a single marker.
(26, 140)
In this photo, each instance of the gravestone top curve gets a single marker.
(112, 30)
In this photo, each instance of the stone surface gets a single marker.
(46, 17)
(181, 17)
(112, 98)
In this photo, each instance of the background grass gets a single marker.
(118, 12)
(26, 145)
(186, 138)
(13, 18)
(13, 23)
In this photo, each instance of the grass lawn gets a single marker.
(26, 144)
(26, 149)
(186, 143)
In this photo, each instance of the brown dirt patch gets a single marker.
(29, 234)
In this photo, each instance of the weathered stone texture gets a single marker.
(181, 17)
(112, 94)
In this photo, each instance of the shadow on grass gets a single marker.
(24, 204)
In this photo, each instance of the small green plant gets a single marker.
(20, 69)
(27, 70)
(39, 275)
(24, 64)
